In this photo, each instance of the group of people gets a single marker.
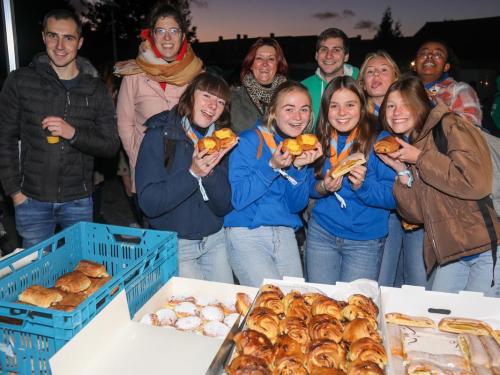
(420, 215)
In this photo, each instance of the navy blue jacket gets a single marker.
(171, 198)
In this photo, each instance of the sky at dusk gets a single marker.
(310, 17)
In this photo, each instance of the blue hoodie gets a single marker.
(260, 195)
(367, 213)
(171, 198)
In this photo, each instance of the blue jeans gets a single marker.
(473, 275)
(205, 259)
(405, 250)
(263, 252)
(330, 258)
(36, 220)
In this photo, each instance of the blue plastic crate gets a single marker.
(140, 261)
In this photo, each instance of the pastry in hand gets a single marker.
(254, 343)
(39, 296)
(226, 137)
(73, 282)
(307, 141)
(359, 367)
(264, 320)
(326, 305)
(292, 146)
(271, 300)
(247, 364)
(359, 328)
(347, 164)
(367, 349)
(324, 326)
(366, 303)
(211, 144)
(326, 353)
(465, 325)
(295, 328)
(387, 145)
(91, 269)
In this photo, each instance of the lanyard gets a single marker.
(334, 156)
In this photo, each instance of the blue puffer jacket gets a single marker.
(171, 198)
(261, 196)
(367, 213)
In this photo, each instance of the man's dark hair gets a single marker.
(162, 10)
(333, 33)
(62, 14)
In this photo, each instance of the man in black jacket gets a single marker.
(64, 117)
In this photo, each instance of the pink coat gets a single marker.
(140, 98)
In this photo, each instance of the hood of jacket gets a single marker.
(170, 122)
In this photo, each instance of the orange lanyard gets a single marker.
(190, 132)
(334, 156)
(268, 138)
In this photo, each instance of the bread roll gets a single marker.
(295, 328)
(386, 145)
(73, 282)
(409, 321)
(464, 325)
(324, 326)
(364, 368)
(226, 137)
(264, 320)
(211, 144)
(307, 141)
(91, 269)
(39, 296)
(326, 305)
(292, 146)
(326, 353)
(359, 328)
(366, 349)
(344, 166)
(271, 300)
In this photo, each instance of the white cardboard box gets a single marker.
(416, 301)
(112, 343)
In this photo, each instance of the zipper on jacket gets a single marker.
(67, 104)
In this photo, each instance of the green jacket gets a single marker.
(316, 85)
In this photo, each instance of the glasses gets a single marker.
(160, 32)
(436, 55)
(335, 50)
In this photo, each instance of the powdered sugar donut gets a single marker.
(150, 320)
(189, 323)
(215, 329)
(212, 313)
(184, 309)
(166, 317)
(230, 319)
(205, 301)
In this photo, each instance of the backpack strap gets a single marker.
(483, 204)
(261, 141)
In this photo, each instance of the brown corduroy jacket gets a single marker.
(446, 188)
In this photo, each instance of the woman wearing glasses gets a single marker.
(155, 80)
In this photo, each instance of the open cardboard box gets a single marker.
(416, 301)
(112, 343)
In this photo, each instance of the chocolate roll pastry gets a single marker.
(324, 326)
(295, 328)
(264, 320)
(91, 269)
(39, 296)
(326, 353)
(73, 282)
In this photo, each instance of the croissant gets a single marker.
(289, 366)
(247, 364)
(325, 353)
(326, 305)
(270, 300)
(271, 288)
(325, 327)
(295, 328)
(351, 312)
(250, 342)
(386, 145)
(264, 320)
(364, 368)
(286, 346)
(365, 303)
(290, 297)
(299, 309)
(359, 328)
(367, 349)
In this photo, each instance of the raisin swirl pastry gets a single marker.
(298, 309)
(324, 326)
(295, 328)
(250, 342)
(359, 328)
(351, 312)
(290, 297)
(264, 320)
(326, 371)
(271, 300)
(271, 288)
(359, 367)
(247, 364)
(365, 303)
(326, 305)
(326, 353)
(290, 365)
(366, 349)
(310, 298)
(286, 346)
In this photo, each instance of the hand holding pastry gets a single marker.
(308, 157)
(407, 153)
(357, 176)
(281, 159)
(329, 184)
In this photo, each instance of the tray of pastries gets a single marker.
(302, 330)
(454, 345)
